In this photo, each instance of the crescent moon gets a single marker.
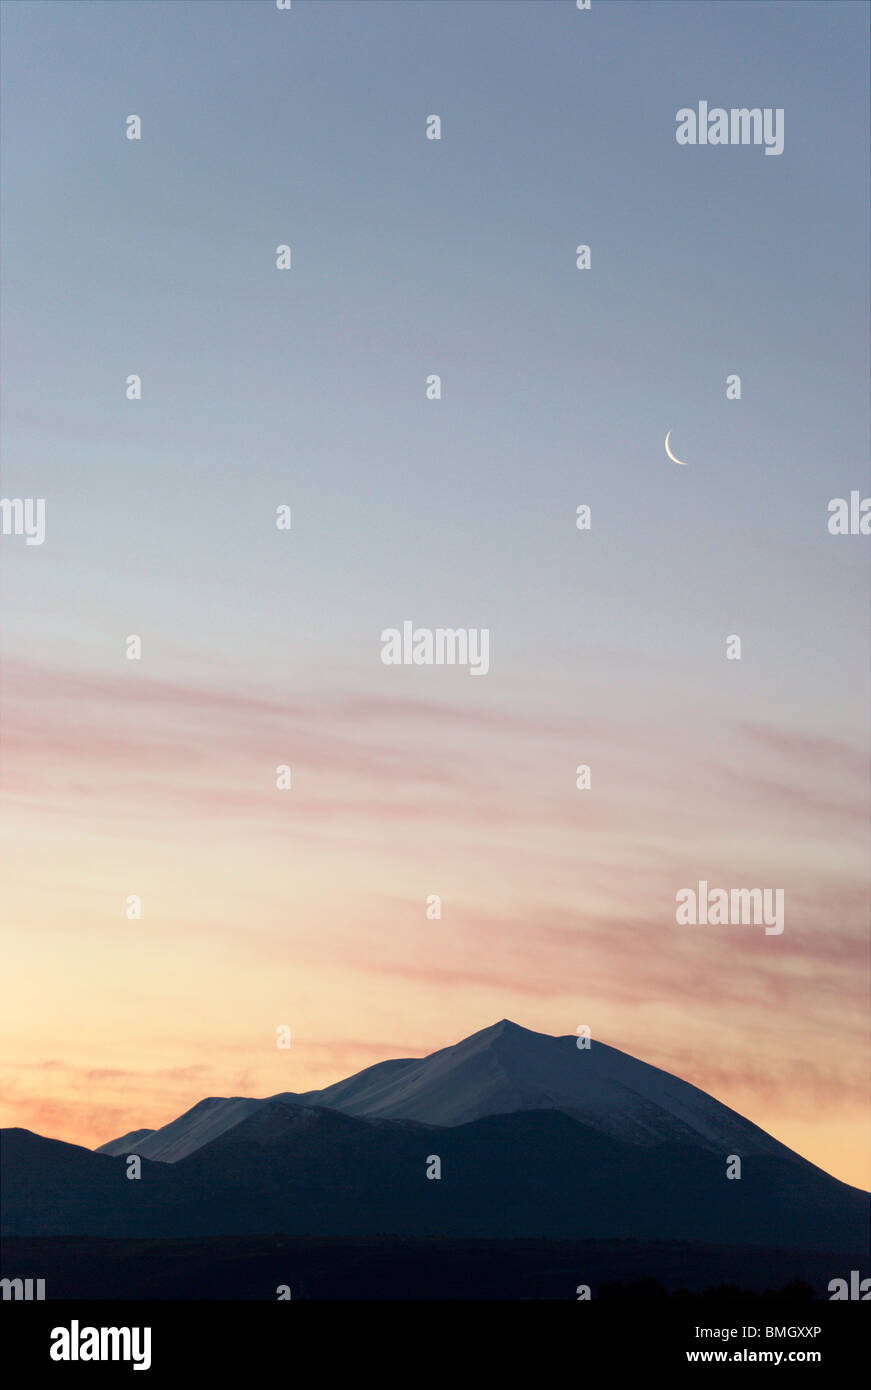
(682, 462)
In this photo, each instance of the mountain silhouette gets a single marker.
(565, 1143)
(497, 1071)
(309, 1171)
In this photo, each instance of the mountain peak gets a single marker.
(505, 1028)
(497, 1030)
(510, 1042)
(500, 1070)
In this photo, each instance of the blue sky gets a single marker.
(409, 257)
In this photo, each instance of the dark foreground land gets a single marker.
(254, 1267)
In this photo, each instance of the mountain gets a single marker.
(506, 1068)
(307, 1171)
(537, 1140)
(127, 1144)
(48, 1187)
(497, 1071)
(197, 1126)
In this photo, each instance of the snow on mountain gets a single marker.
(127, 1144)
(506, 1068)
(500, 1070)
(197, 1126)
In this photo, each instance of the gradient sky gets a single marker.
(263, 647)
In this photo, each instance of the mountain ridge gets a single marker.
(502, 1069)
(308, 1171)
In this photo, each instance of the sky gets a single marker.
(262, 647)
